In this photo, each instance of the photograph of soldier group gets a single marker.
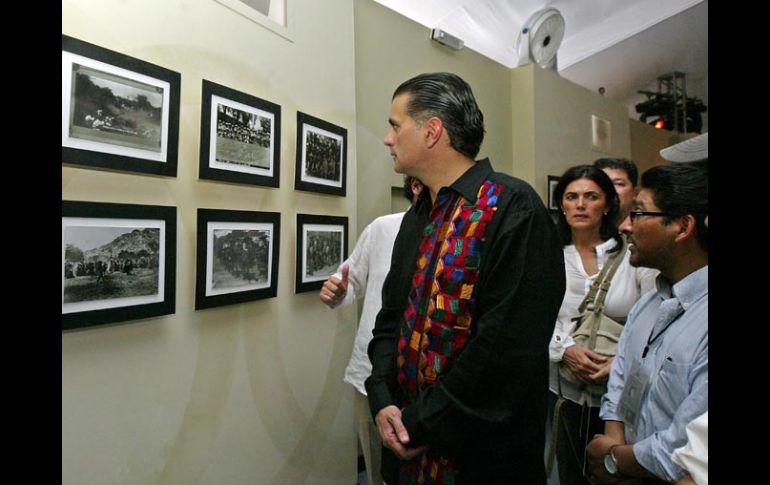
(126, 266)
(241, 258)
(243, 138)
(323, 156)
(323, 253)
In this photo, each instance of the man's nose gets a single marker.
(626, 227)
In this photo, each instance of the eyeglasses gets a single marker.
(635, 214)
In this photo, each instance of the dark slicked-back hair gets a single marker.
(681, 189)
(449, 98)
(609, 228)
(621, 164)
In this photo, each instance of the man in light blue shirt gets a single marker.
(659, 378)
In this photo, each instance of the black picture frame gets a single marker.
(553, 204)
(118, 112)
(313, 270)
(321, 156)
(233, 151)
(108, 249)
(222, 276)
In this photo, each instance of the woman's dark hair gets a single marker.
(449, 98)
(609, 228)
(408, 188)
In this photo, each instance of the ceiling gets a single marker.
(621, 45)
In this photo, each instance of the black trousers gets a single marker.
(577, 426)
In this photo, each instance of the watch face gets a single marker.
(610, 465)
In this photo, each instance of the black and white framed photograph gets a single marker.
(237, 257)
(553, 204)
(321, 156)
(118, 262)
(240, 137)
(118, 112)
(322, 245)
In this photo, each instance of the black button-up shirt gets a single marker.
(490, 406)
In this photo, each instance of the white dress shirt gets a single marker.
(628, 284)
(368, 266)
(694, 456)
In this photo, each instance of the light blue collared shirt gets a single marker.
(678, 364)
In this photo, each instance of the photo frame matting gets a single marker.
(118, 262)
(118, 112)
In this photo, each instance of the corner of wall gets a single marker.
(522, 81)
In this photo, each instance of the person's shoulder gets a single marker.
(386, 221)
(386, 224)
(389, 218)
(508, 180)
(645, 299)
(517, 192)
(513, 184)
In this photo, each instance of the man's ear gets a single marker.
(686, 228)
(434, 128)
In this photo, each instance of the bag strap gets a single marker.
(601, 285)
(554, 429)
(605, 285)
(554, 434)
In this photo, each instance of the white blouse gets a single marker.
(628, 284)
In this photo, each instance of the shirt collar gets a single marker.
(469, 182)
(603, 249)
(688, 290)
(606, 246)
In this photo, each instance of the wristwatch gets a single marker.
(611, 463)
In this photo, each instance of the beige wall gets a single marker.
(247, 393)
(389, 50)
(523, 123)
(562, 127)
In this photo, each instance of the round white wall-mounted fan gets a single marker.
(540, 38)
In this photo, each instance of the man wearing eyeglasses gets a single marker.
(659, 378)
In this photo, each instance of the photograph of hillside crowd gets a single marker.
(323, 253)
(240, 258)
(323, 156)
(243, 138)
(113, 109)
(102, 263)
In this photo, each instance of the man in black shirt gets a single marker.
(460, 347)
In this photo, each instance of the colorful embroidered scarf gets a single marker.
(438, 316)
